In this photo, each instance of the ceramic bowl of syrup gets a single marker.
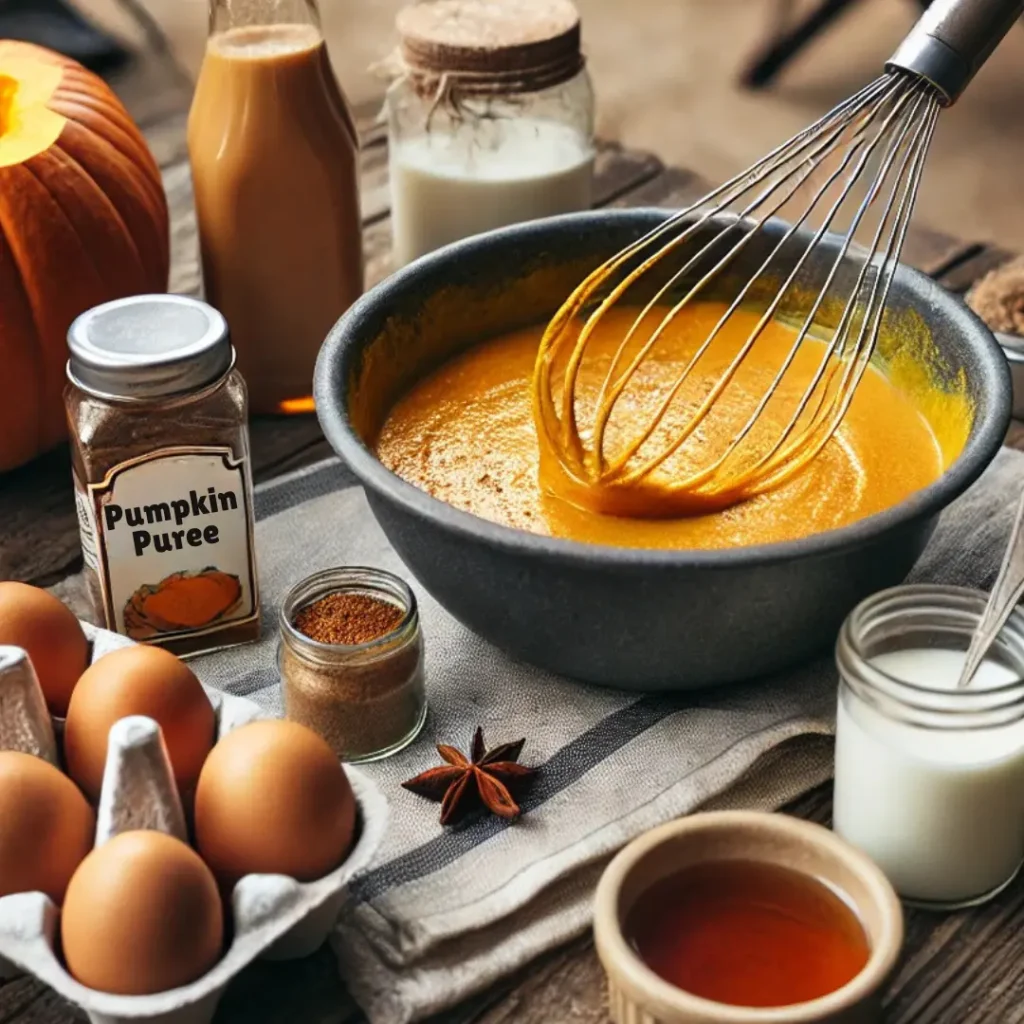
(740, 917)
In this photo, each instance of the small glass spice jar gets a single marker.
(366, 699)
(158, 419)
(490, 119)
(929, 777)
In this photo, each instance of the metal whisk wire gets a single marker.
(876, 141)
(892, 120)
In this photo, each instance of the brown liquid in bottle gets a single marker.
(274, 166)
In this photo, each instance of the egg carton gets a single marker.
(273, 916)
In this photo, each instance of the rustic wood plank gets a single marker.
(1015, 435)
(675, 188)
(264, 993)
(978, 262)
(27, 1001)
(306, 990)
(39, 540)
(672, 188)
(931, 251)
(567, 987)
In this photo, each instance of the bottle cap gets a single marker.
(148, 346)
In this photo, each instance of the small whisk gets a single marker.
(811, 235)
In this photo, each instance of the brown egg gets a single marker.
(35, 620)
(46, 826)
(138, 680)
(142, 915)
(273, 798)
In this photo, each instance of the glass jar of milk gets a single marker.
(490, 119)
(929, 778)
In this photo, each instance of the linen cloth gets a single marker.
(443, 913)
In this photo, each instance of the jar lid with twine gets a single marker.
(487, 47)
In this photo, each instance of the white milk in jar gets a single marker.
(929, 779)
(447, 186)
(490, 119)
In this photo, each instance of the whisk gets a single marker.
(811, 234)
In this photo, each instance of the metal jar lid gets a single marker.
(148, 346)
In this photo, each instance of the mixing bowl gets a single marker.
(637, 619)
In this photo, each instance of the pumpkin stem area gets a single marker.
(27, 125)
(8, 89)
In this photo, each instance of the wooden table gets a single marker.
(960, 968)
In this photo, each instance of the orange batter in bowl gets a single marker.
(465, 434)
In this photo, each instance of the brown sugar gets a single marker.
(348, 618)
(998, 298)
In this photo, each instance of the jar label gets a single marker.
(86, 525)
(170, 535)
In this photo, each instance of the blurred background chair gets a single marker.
(59, 26)
(790, 38)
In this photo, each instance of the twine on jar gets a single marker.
(451, 87)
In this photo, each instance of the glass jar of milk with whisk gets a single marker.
(490, 119)
(929, 777)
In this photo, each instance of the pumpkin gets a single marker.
(83, 219)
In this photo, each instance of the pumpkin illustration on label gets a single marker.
(183, 600)
(169, 537)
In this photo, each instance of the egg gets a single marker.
(273, 798)
(46, 826)
(138, 680)
(36, 621)
(142, 915)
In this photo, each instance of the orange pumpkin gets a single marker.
(83, 219)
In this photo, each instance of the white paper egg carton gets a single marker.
(274, 917)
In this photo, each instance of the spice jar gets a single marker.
(490, 119)
(361, 684)
(160, 451)
(929, 778)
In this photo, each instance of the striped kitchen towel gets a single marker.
(441, 914)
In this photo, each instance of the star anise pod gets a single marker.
(486, 776)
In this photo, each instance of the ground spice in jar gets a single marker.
(348, 618)
(351, 661)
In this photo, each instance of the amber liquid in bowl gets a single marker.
(747, 934)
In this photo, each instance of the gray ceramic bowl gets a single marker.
(639, 619)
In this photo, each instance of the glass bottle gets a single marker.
(490, 120)
(929, 777)
(273, 148)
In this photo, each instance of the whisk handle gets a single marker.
(953, 39)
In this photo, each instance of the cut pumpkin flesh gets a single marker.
(27, 125)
